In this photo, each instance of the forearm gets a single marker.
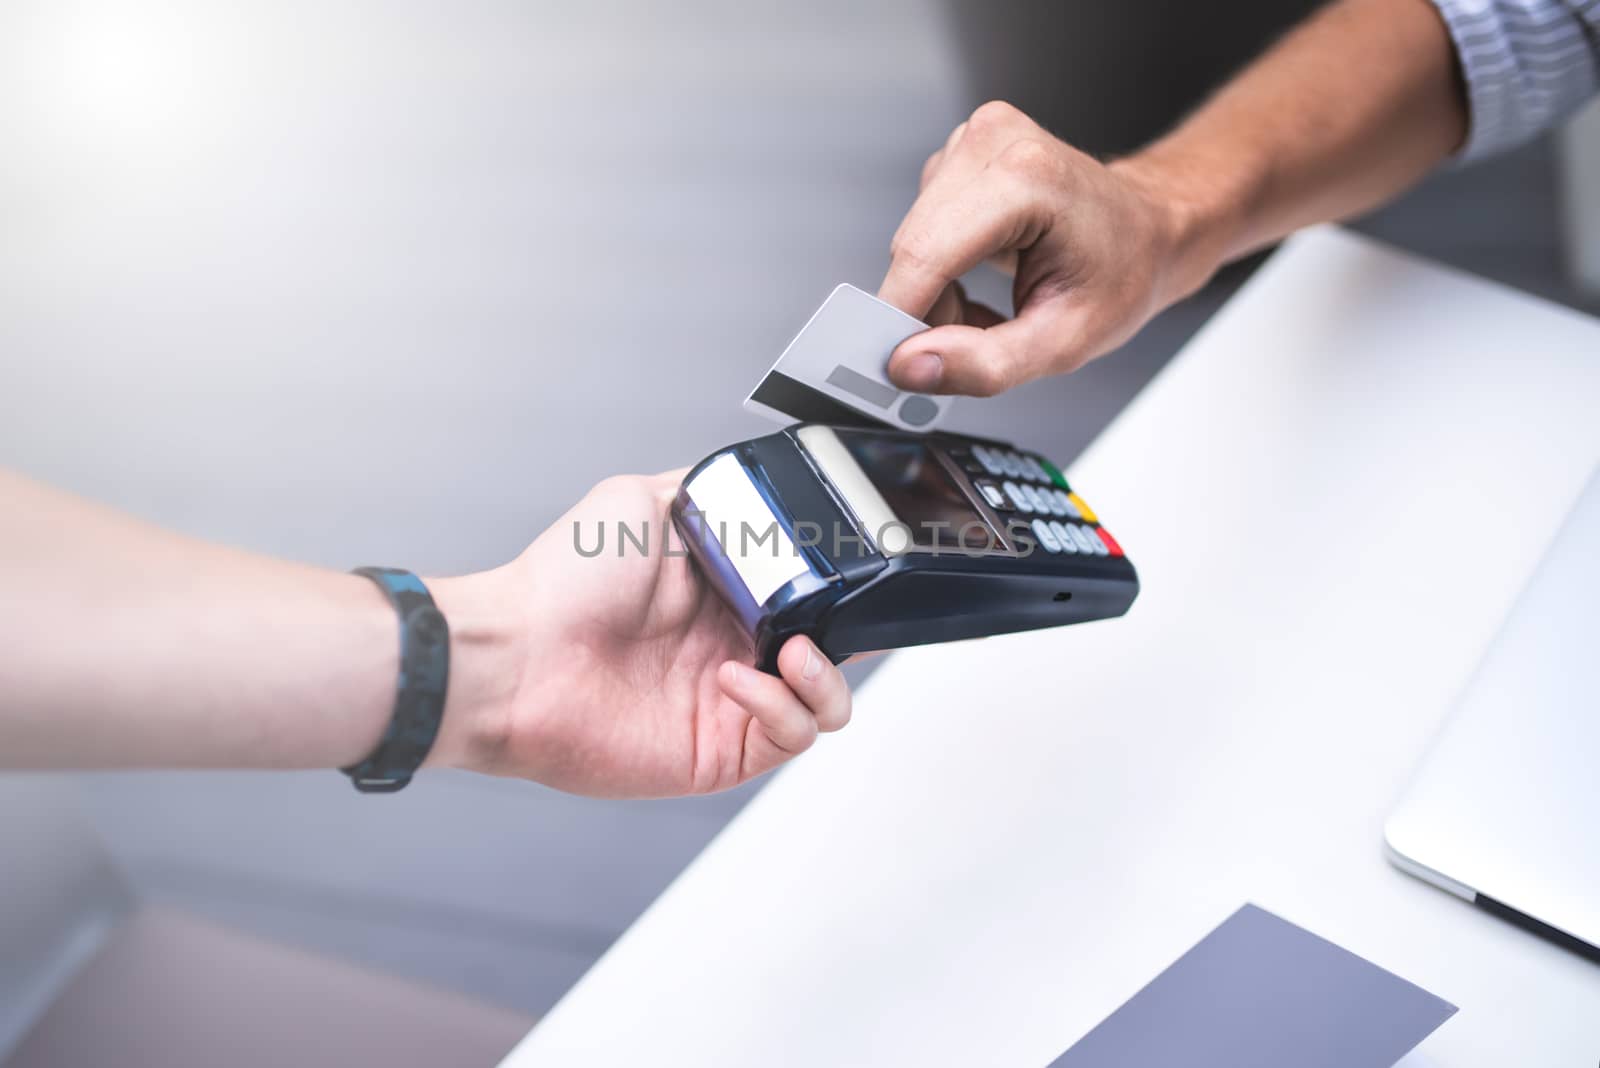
(122, 645)
(1347, 111)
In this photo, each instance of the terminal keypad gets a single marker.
(1030, 489)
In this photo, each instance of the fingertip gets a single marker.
(945, 359)
(919, 371)
(973, 362)
(817, 682)
(792, 656)
(800, 661)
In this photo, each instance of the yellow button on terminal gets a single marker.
(1083, 506)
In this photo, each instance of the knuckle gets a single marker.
(897, 244)
(1028, 156)
(615, 485)
(996, 114)
(990, 377)
(911, 251)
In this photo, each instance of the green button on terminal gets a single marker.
(1055, 474)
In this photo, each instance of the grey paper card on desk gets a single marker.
(1259, 992)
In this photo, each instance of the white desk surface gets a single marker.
(1332, 495)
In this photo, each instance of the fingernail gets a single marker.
(733, 673)
(922, 372)
(813, 666)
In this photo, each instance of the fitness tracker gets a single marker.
(420, 693)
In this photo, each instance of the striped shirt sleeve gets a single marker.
(1527, 64)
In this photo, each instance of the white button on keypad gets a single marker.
(1011, 463)
(1019, 500)
(1067, 507)
(992, 494)
(1033, 470)
(1063, 536)
(1095, 544)
(990, 462)
(1046, 536)
(1040, 501)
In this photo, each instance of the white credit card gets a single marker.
(835, 371)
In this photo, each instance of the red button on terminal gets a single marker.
(1111, 543)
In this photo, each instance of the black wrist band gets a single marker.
(419, 696)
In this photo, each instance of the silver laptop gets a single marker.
(1505, 812)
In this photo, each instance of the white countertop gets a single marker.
(1333, 496)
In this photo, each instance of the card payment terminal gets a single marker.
(869, 539)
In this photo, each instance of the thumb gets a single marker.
(983, 361)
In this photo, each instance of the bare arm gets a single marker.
(124, 645)
(1347, 111)
(1351, 108)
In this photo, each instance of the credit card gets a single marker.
(835, 371)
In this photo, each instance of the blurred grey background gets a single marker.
(396, 282)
